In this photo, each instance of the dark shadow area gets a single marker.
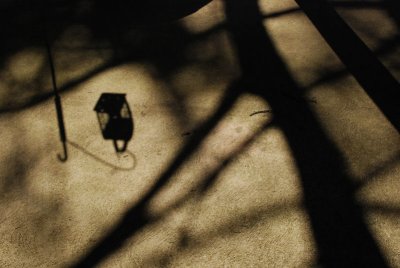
(356, 4)
(341, 234)
(393, 9)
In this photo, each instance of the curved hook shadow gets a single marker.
(104, 162)
(63, 157)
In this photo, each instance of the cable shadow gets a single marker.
(340, 232)
(103, 161)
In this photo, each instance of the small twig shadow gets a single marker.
(261, 112)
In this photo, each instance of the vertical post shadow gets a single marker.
(57, 99)
(341, 235)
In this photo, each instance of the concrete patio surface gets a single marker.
(234, 198)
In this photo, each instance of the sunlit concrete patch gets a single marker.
(207, 17)
(270, 7)
(379, 197)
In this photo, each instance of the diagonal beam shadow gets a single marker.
(387, 46)
(340, 232)
(379, 170)
(370, 73)
(135, 218)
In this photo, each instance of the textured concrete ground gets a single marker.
(235, 198)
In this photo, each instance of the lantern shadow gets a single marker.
(115, 119)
